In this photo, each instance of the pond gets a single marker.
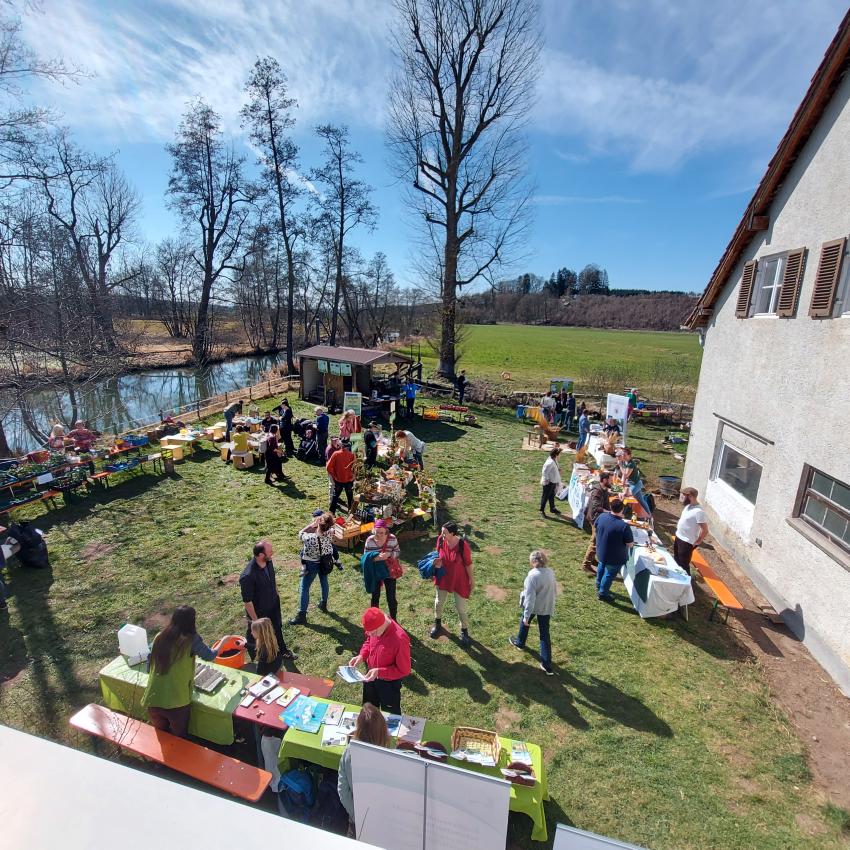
(130, 401)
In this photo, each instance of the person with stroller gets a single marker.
(322, 424)
(286, 419)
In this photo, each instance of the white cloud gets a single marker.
(148, 60)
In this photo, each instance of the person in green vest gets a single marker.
(168, 695)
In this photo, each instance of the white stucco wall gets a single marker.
(788, 381)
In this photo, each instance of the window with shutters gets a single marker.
(828, 298)
(768, 285)
(842, 294)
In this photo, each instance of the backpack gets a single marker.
(296, 795)
(330, 814)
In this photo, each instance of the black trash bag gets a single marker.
(33, 551)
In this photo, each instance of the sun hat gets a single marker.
(373, 618)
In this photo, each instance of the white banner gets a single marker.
(578, 498)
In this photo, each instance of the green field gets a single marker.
(533, 354)
(662, 733)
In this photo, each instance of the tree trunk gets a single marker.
(5, 451)
(448, 313)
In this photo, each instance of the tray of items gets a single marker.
(207, 678)
(476, 746)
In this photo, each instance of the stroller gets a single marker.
(308, 446)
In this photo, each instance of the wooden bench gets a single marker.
(222, 772)
(724, 596)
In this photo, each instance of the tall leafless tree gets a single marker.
(457, 108)
(344, 205)
(267, 116)
(175, 286)
(208, 189)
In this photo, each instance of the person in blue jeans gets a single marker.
(569, 411)
(613, 541)
(538, 600)
(583, 430)
(317, 557)
(630, 475)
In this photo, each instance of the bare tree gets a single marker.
(267, 115)
(380, 295)
(344, 205)
(208, 189)
(457, 109)
(175, 279)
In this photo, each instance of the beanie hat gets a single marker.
(373, 618)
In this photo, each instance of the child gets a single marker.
(268, 652)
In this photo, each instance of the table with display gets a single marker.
(211, 717)
(656, 584)
(307, 746)
(186, 441)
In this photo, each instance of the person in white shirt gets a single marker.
(691, 529)
(550, 479)
(547, 405)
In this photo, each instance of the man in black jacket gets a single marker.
(260, 596)
(597, 503)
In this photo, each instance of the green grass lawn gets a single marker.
(662, 733)
(533, 354)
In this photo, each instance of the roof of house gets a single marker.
(823, 85)
(357, 356)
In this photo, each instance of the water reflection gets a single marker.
(117, 404)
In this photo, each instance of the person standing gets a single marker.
(340, 467)
(460, 383)
(583, 429)
(168, 694)
(229, 412)
(274, 461)
(547, 405)
(411, 445)
(691, 529)
(317, 558)
(453, 573)
(371, 728)
(598, 502)
(285, 412)
(370, 444)
(613, 541)
(631, 479)
(347, 425)
(570, 411)
(386, 545)
(386, 652)
(268, 652)
(632, 403)
(260, 597)
(550, 480)
(322, 425)
(538, 596)
(559, 408)
(409, 390)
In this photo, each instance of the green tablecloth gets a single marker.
(122, 687)
(308, 747)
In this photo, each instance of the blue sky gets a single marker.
(653, 123)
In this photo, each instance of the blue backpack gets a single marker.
(296, 795)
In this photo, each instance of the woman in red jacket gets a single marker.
(456, 577)
(386, 652)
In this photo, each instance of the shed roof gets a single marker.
(823, 84)
(358, 356)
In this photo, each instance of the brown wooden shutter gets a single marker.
(826, 280)
(791, 280)
(746, 290)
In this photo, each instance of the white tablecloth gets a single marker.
(594, 447)
(654, 595)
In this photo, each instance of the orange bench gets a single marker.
(222, 772)
(723, 595)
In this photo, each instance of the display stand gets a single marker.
(570, 838)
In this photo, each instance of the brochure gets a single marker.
(350, 674)
(304, 714)
(334, 714)
(333, 736)
(411, 728)
(348, 721)
(288, 695)
(520, 753)
(393, 722)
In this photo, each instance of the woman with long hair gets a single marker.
(317, 559)
(269, 658)
(382, 541)
(168, 694)
(371, 728)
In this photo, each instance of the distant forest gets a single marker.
(579, 299)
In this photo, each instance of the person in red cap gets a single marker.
(386, 652)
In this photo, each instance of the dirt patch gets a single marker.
(812, 702)
(228, 580)
(809, 825)
(290, 564)
(496, 593)
(528, 492)
(157, 622)
(494, 550)
(96, 549)
(506, 719)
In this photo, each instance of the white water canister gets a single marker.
(133, 643)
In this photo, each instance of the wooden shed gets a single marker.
(329, 371)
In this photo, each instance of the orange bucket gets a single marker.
(230, 651)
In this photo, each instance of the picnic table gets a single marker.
(269, 715)
(211, 717)
(654, 594)
(307, 746)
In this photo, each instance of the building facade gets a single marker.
(768, 449)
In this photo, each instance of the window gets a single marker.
(739, 472)
(768, 284)
(842, 294)
(824, 505)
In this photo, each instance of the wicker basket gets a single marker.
(480, 739)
